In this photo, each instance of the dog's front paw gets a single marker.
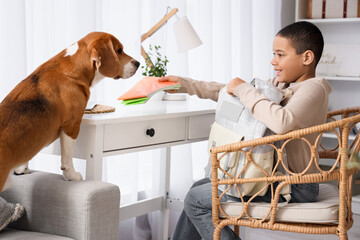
(23, 169)
(72, 176)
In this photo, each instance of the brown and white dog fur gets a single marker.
(51, 101)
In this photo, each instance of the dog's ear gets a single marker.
(105, 57)
(95, 58)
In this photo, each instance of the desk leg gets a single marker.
(164, 191)
(94, 166)
(92, 137)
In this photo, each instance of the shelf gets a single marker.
(337, 78)
(332, 20)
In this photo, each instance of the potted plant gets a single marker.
(158, 68)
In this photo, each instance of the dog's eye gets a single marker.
(119, 51)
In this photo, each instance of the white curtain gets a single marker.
(237, 42)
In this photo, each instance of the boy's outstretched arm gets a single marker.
(203, 89)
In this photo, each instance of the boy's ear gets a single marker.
(308, 57)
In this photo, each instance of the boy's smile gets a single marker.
(289, 66)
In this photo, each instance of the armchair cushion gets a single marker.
(82, 210)
(14, 234)
(324, 210)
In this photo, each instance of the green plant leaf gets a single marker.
(159, 69)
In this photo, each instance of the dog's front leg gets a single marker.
(67, 150)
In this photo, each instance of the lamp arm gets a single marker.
(146, 57)
(159, 24)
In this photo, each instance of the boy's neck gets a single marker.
(307, 75)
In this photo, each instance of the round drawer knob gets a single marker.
(150, 132)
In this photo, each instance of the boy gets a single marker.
(297, 50)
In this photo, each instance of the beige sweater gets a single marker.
(307, 106)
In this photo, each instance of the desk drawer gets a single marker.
(199, 126)
(134, 134)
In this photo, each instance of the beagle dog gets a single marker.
(51, 101)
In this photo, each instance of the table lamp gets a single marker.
(185, 34)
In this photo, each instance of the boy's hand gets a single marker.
(170, 78)
(234, 84)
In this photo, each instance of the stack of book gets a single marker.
(333, 9)
(145, 89)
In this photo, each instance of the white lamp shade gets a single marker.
(185, 35)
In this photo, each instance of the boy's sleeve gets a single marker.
(305, 102)
(206, 90)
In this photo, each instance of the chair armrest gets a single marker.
(83, 210)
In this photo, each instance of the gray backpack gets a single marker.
(235, 123)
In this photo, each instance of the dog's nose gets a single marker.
(137, 64)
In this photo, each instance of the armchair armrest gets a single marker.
(83, 210)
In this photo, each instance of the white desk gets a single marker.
(128, 129)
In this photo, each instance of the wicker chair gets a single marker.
(340, 124)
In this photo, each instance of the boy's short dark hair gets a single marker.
(304, 36)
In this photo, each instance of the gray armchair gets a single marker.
(57, 209)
